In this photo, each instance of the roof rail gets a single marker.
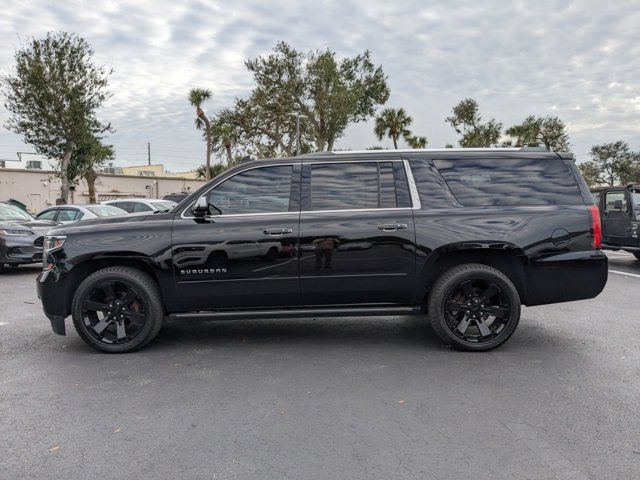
(418, 150)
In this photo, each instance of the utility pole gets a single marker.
(149, 152)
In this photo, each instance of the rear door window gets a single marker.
(522, 181)
(358, 186)
(141, 207)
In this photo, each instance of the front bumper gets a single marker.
(18, 250)
(566, 277)
(52, 292)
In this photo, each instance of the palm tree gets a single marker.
(197, 96)
(416, 142)
(393, 123)
(227, 135)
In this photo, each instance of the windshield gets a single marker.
(106, 211)
(12, 214)
(164, 206)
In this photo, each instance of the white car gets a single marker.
(74, 213)
(137, 205)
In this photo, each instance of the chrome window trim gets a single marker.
(415, 199)
(413, 189)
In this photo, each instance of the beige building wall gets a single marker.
(156, 170)
(39, 189)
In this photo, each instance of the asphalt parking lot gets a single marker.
(326, 398)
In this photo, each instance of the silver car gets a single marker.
(75, 213)
(137, 205)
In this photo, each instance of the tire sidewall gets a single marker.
(437, 313)
(88, 285)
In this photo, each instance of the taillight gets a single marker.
(596, 227)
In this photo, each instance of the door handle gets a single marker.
(392, 227)
(275, 232)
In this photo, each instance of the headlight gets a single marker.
(15, 232)
(52, 242)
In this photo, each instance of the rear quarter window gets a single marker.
(526, 181)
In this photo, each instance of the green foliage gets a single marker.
(214, 170)
(467, 122)
(197, 96)
(327, 93)
(416, 142)
(53, 95)
(534, 131)
(611, 164)
(394, 123)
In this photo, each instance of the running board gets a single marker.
(297, 313)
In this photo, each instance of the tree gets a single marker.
(611, 164)
(416, 142)
(327, 93)
(226, 138)
(214, 170)
(394, 124)
(53, 95)
(467, 122)
(89, 155)
(548, 131)
(197, 96)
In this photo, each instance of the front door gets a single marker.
(616, 217)
(243, 254)
(356, 234)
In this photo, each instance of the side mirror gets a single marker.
(617, 205)
(200, 209)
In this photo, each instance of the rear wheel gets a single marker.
(117, 309)
(474, 307)
(637, 255)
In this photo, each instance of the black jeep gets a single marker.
(462, 237)
(620, 213)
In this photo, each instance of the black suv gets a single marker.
(620, 213)
(462, 236)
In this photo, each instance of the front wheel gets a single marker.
(637, 255)
(117, 309)
(474, 307)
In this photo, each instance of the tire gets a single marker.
(1, 267)
(117, 309)
(474, 307)
(637, 255)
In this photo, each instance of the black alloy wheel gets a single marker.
(117, 309)
(474, 307)
(476, 310)
(114, 312)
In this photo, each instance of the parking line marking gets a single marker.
(2, 324)
(625, 273)
(562, 468)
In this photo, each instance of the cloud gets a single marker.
(577, 60)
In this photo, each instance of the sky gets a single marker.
(578, 60)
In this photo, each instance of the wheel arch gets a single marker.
(82, 270)
(505, 257)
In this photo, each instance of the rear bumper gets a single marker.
(51, 291)
(566, 277)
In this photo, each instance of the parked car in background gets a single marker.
(21, 236)
(137, 205)
(176, 197)
(75, 213)
(620, 212)
(460, 237)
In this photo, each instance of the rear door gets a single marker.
(616, 218)
(357, 238)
